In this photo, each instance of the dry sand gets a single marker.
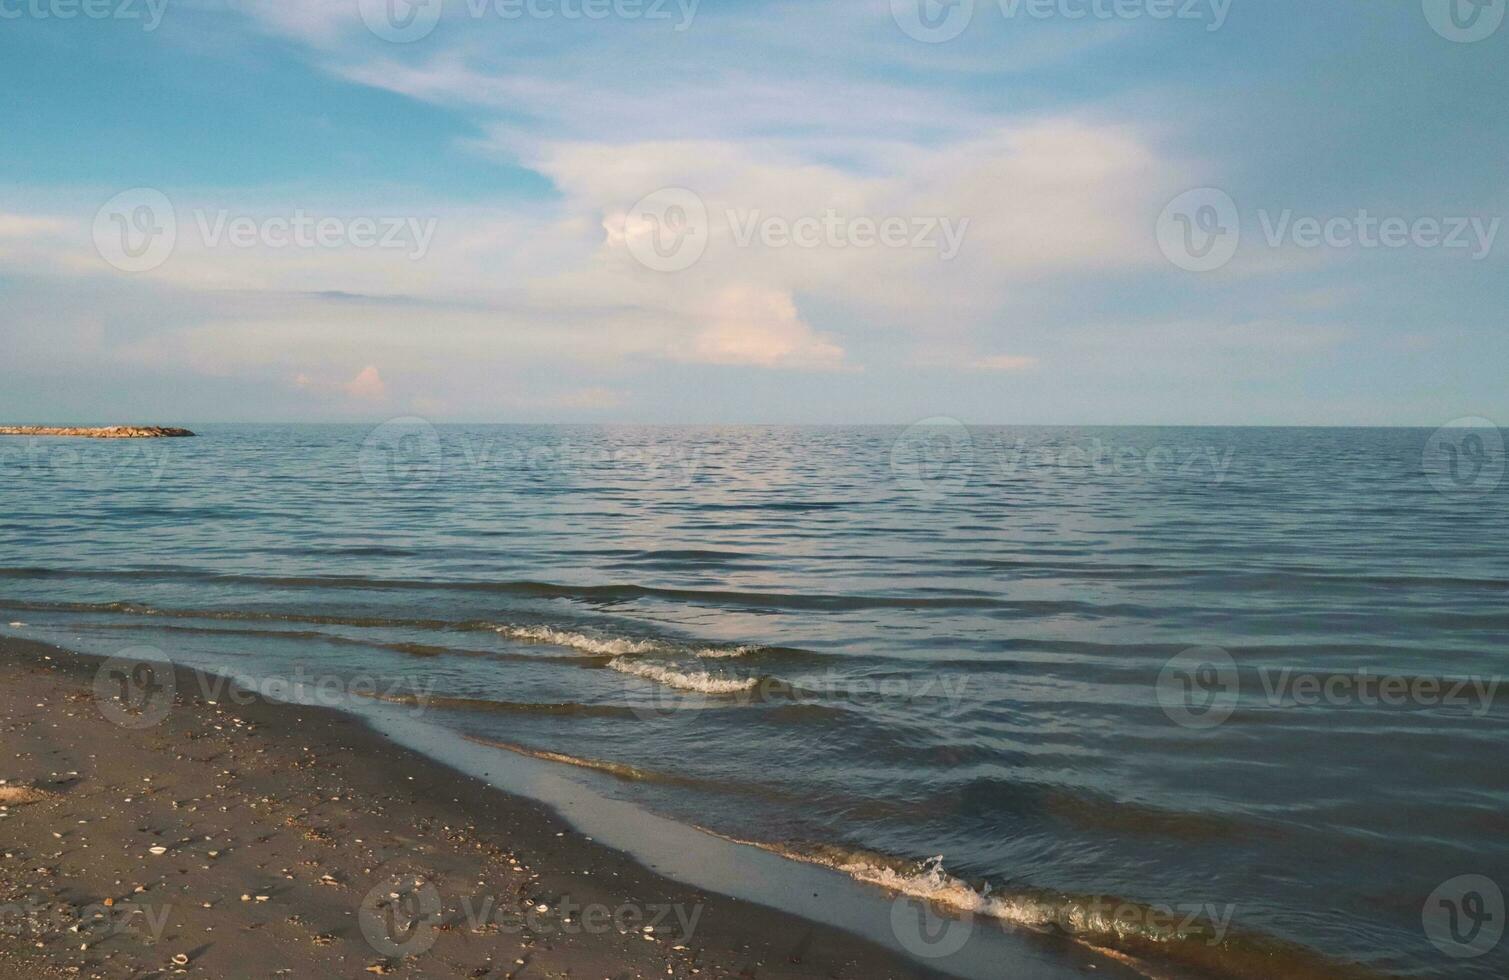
(246, 841)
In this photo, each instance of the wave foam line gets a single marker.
(615, 646)
(1149, 944)
(931, 883)
(610, 646)
(724, 653)
(700, 681)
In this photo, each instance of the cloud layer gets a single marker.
(887, 224)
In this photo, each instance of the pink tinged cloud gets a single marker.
(367, 385)
(760, 327)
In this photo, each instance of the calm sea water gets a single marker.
(1238, 682)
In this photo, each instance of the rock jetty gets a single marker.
(104, 432)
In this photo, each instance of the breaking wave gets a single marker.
(605, 646)
(1142, 936)
(616, 646)
(700, 680)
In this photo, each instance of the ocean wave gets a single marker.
(1135, 933)
(618, 592)
(616, 646)
(1037, 566)
(598, 646)
(126, 607)
(700, 681)
(410, 649)
(724, 653)
(621, 770)
(638, 774)
(454, 703)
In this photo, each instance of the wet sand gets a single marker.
(264, 839)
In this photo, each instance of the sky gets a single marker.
(1266, 212)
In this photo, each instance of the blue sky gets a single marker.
(521, 163)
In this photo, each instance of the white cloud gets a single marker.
(753, 326)
(1054, 197)
(320, 22)
(24, 225)
(552, 282)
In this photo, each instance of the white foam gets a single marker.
(724, 653)
(610, 646)
(615, 646)
(932, 884)
(700, 681)
(1081, 921)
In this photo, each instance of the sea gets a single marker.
(1213, 701)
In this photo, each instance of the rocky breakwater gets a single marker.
(99, 432)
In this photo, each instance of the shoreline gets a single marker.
(307, 839)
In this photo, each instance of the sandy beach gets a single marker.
(264, 839)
